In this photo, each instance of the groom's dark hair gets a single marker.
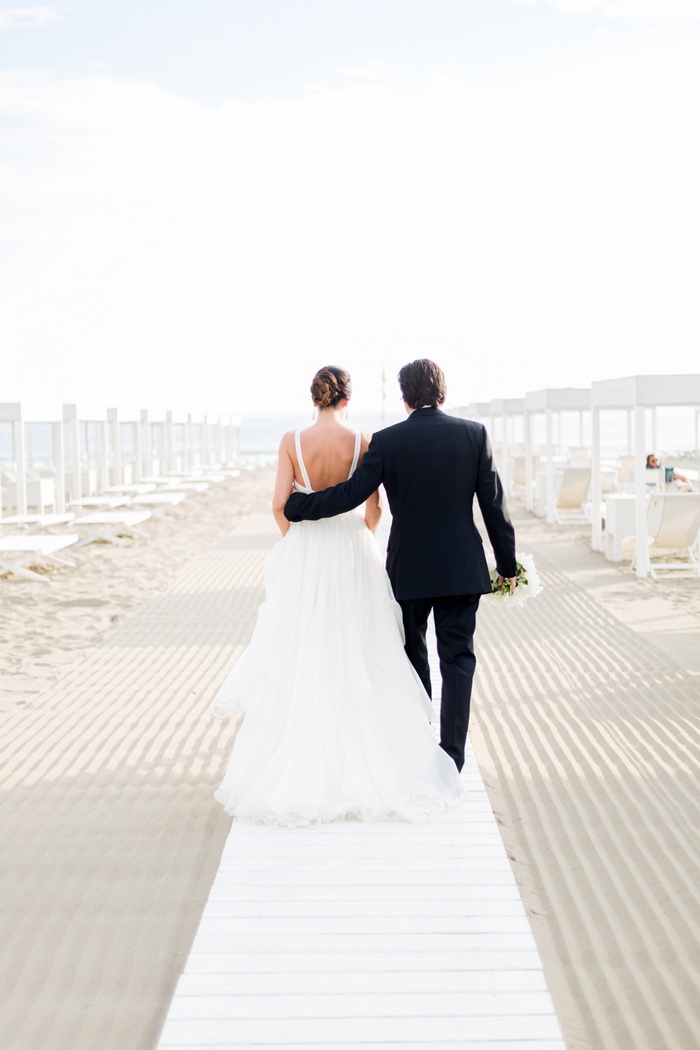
(422, 383)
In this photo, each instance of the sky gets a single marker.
(204, 201)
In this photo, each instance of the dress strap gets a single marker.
(297, 445)
(358, 442)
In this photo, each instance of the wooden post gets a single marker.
(596, 487)
(20, 464)
(59, 466)
(642, 560)
(528, 461)
(551, 506)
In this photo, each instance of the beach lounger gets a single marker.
(673, 523)
(186, 486)
(32, 549)
(104, 502)
(138, 489)
(154, 500)
(30, 523)
(110, 526)
(571, 485)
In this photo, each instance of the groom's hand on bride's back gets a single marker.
(293, 506)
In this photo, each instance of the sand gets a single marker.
(585, 728)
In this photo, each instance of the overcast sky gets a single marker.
(203, 201)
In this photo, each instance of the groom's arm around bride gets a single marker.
(432, 466)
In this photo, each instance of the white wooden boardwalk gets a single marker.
(379, 936)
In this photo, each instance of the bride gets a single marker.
(336, 720)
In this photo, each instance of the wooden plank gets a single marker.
(364, 909)
(361, 962)
(457, 894)
(338, 1031)
(376, 983)
(349, 943)
(461, 1004)
(232, 927)
(461, 1040)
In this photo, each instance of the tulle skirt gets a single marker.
(336, 722)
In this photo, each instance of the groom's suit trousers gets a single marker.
(455, 620)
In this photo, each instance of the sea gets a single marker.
(677, 433)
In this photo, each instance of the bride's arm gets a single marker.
(283, 482)
(373, 505)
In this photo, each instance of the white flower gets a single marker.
(527, 582)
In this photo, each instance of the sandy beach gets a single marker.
(585, 727)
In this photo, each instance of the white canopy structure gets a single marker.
(550, 401)
(118, 418)
(19, 414)
(637, 394)
(74, 415)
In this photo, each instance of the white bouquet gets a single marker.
(527, 583)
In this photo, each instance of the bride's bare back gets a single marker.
(328, 449)
(328, 452)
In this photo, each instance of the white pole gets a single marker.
(204, 441)
(629, 432)
(189, 444)
(102, 455)
(117, 451)
(219, 441)
(59, 466)
(550, 497)
(20, 464)
(643, 563)
(505, 464)
(597, 535)
(138, 450)
(146, 445)
(74, 429)
(528, 460)
(169, 443)
(654, 447)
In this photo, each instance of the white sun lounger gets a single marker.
(186, 486)
(97, 526)
(30, 523)
(154, 500)
(32, 549)
(138, 489)
(105, 502)
(571, 485)
(673, 523)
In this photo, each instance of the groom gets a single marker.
(432, 465)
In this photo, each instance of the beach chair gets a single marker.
(571, 485)
(159, 502)
(32, 549)
(31, 523)
(110, 526)
(673, 523)
(100, 502)
(41, 492)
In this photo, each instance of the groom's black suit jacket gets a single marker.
(432, 465)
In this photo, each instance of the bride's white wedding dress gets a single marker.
(336, 720)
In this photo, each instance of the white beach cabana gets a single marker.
(636, 394)
(550, 402)
(88, 472)
(123, 471)
(21, 415)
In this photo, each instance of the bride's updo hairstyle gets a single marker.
(330, 385)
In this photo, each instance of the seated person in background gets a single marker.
(654, 464)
